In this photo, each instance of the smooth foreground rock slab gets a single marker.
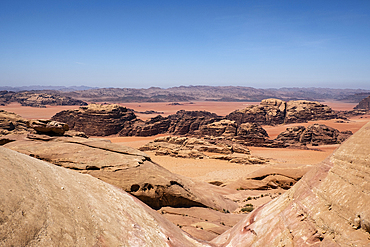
(45, 205)
(126, 168)
(329, 206)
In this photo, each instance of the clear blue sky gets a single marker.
(137, 43)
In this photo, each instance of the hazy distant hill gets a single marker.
(196, 93)
(209, 93)
(38, 87)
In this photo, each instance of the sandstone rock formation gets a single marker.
(275, 111)
(37, 99)
(327, 207)
(184, 147)
(45, 205)
(12, 123)
(126, 168)
(95, 119)
(48, 126)
(315, 134)
(364, 104)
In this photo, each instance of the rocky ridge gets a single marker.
(275, 111)
(37, 99)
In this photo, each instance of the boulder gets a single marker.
(46, 126)
(95, 119)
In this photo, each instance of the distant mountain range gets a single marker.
(219, 93)
(196, 93)
(39, 87)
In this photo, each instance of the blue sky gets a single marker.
(170, 43)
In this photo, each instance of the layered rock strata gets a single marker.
(327, 207)
(95, 119)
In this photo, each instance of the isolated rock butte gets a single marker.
(315, 134)
(126, 168)
(96, 119)
(364, 104)
(275, 111)
(327, 207)
(45, 205)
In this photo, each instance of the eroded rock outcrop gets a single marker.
(364, 104)
(327, 207)
(315, 134)
(184, 147)
(96, 119)
(45, 205)
(126, 168)
(12, 123)
(47, 126)
(275, 111)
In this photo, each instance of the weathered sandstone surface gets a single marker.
(315, 134)
(327, 207)
(12, 123)
(47, 126)
(37, 99)
(124, 167)
(275, 111)
(364, 104)
(45, 205)
(95, 119)
(184, 147)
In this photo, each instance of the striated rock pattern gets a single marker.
(126, 168)
(95, 119)
(45, 205)
(315, 134)
(364, 104)
(275, 111)
(37, 99)
(184, 147)
(327, 207)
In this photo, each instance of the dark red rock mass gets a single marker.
(95, 119)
